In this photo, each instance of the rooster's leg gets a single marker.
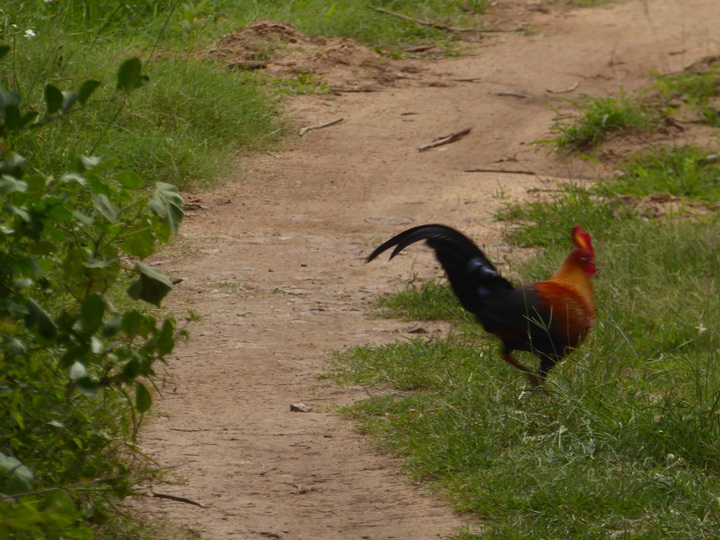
(532, 377)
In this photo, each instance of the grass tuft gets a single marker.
(599, 117)
(682, 171)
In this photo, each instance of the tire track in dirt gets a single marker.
(273, 261)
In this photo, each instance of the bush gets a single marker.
(76, 353)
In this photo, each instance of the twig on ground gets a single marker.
(446, 139)
(437, 25)
(417, 21)
(248, 64)
(541, 190)
(347, 89)
(505, 171)
(515, 94)
(176, 498)
(566, 90)
(304, 130)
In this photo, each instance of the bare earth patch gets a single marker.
(273, 259)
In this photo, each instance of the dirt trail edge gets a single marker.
(273, 261)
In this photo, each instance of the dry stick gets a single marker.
(447, 139)
(506, 171)
(417, 21)
(176, 498)
(436, 25)
(304, 130)
(568, 89)
(514, 94)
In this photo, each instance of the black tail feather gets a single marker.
(471, 274)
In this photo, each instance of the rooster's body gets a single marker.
(548, 318)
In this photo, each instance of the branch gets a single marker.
(447, 139)
(176, 498)
(304, 130)
(506, 171)
(566, 90)
(436, 25)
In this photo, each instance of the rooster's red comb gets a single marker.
(581, 238)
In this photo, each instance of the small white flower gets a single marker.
(30, 33)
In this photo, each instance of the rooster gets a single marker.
(548, 318)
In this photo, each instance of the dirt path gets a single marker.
(273, 262)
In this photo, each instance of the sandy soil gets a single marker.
(273, 260)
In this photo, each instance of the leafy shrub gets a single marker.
(76, 354)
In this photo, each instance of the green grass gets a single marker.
(625, 443)
(680, 171)
(694, 89)
(356, 20)
(691, 92)
(598, 118)
(183, 127)
(426, 299)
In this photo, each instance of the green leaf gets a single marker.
(166, 338)
(71, 356)
(4, 49)
(139, 241)
(143, 399)
(69, 99)
(8, 184)
(8, 97)
(83, 218)
(14, 210)
(130, 180)
(167, 203)
(130, 75)
(53, 99)
(59, 213)
(152, 285)
(73, 177)
(111, 327)
(19, 478)
(95, 164)
(87, 386)
(77, 371)
(131, 323)
(131, 370)
(91, 313)
(13, 164)
(12, 117)
(86, 90)
(37, 319)
(105, 207)
(14, 345)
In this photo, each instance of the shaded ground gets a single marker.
(273, 261)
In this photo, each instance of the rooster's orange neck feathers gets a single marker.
(572, 275)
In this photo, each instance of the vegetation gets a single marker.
(599, 117)
(75, 357)
(685, 171)
(100, 119)
(624, 441)
(91, 143)
(689, 93)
